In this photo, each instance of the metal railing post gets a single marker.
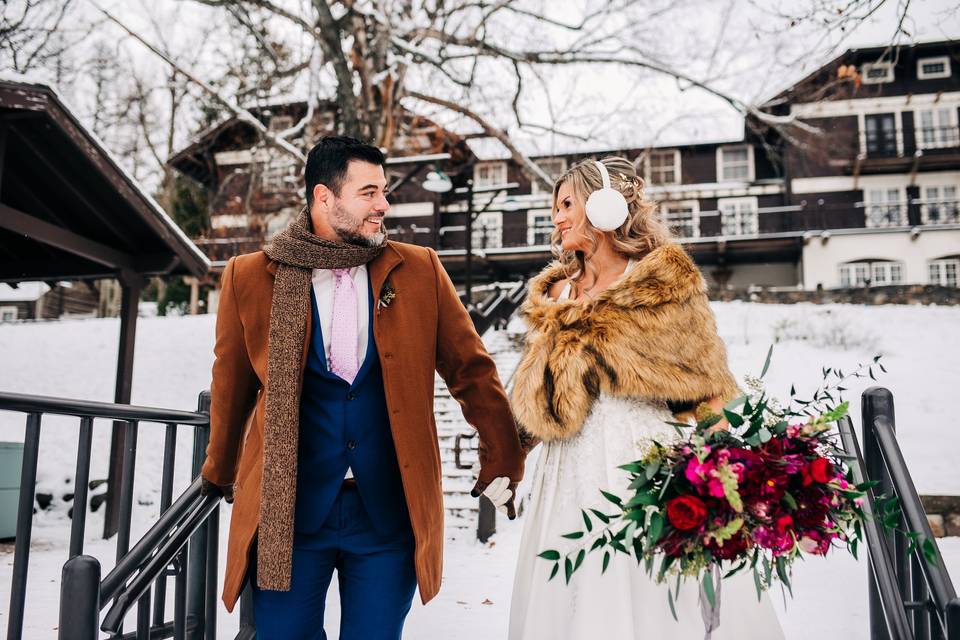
(81, 482)
(953, 619)
(872, 405)
(486, 520)
(21, 551)
(80, 599)
(248, 625)
(197, 549)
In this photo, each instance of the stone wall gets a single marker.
(894, 294)
(943, 513)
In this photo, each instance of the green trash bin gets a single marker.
(11, 459)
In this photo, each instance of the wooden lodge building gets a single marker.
(869, 198)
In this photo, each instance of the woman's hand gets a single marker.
(716, 406)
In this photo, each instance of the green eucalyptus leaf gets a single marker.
(766, 363)
(550, 554)
(708, 588)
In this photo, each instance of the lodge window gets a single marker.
(885, 208)
(880, 134)
(488, 230)
(281, 123)
(876, 273)
(735, 163)
(937, 128)
(8, 314)
(279, 175)
(553, 167)
(738, 216)
(939, 205)
(931, 68)
(663, 167)
(876, 72)
(683, 217)
(539, 226)
(944, 272)
(489, 174)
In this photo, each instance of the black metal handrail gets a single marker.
(498, 307)
(909, 596)
(158, 554)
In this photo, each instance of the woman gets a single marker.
(620, 333)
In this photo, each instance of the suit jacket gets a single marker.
(424, 329)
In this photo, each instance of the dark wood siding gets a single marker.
(825, 154)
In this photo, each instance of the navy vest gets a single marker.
(341, 426)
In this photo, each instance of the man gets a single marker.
(322, 421)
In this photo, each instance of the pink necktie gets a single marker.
(343, 332)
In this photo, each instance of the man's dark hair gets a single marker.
(327, 162)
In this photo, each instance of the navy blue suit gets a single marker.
(363, 532)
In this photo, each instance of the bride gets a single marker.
(621, 339)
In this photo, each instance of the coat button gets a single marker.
(388, 355)
(351, 396)
(351, 444)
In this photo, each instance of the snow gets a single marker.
(77, 358)
(26, 292)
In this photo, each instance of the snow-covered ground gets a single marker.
(77, 359)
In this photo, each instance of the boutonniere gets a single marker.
(387, 294)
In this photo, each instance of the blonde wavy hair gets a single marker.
(642, 231)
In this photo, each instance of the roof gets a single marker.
(26, 292)
(855, 56)
(68, 209)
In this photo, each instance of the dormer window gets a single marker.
(489, 174)
(281, 123)
(932, 68)
(877, 72)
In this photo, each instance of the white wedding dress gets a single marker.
(624, 603)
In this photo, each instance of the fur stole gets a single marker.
(651, 335)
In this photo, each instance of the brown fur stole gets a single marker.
(650, 335)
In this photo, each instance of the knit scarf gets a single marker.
(299, 252)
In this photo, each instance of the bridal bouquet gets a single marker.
(754, 497)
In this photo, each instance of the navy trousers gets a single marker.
(376, 577)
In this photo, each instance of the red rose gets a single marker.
(731, 549)
(783, 524)
(686, 512)
(821, 470)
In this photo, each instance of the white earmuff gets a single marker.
(606, 207)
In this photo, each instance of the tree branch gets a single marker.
(242, 114)
(529, 165)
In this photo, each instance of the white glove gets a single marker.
(500, 492)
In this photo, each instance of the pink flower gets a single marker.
(698, 472)
(715, 488)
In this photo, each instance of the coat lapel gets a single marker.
(379, 271)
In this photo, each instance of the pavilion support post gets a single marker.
(131, 285)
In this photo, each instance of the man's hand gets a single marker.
(501, 492)
(207, 488)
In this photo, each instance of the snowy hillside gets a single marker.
(77, 359)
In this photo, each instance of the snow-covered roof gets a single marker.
(25, 292)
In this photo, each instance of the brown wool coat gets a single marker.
(424, 329)
(650, 335)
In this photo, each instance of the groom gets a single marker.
(322, 421)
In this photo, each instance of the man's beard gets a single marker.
(349, 229)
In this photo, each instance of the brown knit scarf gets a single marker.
(299, 252)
